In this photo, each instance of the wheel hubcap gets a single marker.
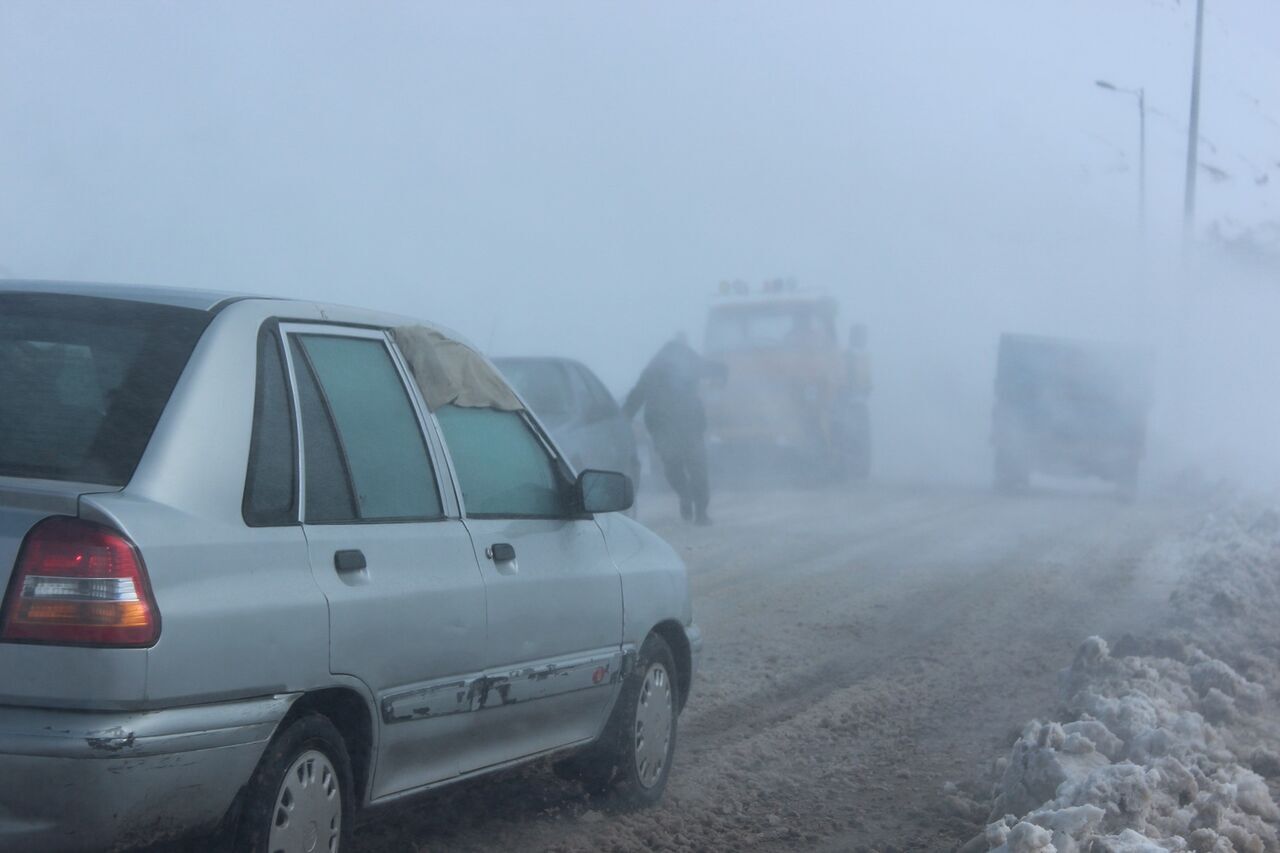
(655, 712)
(308, 812)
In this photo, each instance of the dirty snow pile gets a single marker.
(1169, 742)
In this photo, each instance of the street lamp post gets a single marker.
(1193, 135)
(1141, 95)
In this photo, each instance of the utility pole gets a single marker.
(1193, 136)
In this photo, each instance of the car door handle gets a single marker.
(351, 560)
(500, 552)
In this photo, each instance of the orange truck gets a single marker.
(794, 393)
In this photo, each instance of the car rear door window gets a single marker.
(364, 452)
(270, 495)
(503, 466)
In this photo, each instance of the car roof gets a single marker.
(202, 300)
(214, 300)
(533, 359)
(542, 360)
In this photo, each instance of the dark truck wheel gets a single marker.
(633, 756)
(301, 795)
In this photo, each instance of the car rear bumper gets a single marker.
(75, 780)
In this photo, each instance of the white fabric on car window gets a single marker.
(450, 372)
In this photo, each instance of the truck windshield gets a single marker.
(766, 327)
(83, 381)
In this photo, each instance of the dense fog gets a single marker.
(576, 179)
(986, 561)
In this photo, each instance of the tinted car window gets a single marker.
(502, 465)
(83, 382)
(378, 436)
(269, 491)
(599, 402)
(329, 496)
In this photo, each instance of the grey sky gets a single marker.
(576, 177)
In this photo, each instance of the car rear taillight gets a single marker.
(79, 583)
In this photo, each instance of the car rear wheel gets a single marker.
(633, 756)
(300, 797)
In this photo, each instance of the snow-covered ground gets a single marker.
(1165, 741)
(864, 647)
(873, 653)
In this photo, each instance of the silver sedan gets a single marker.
(272, 561)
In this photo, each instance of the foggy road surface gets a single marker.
(863, 647)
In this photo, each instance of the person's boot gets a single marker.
(686, 509)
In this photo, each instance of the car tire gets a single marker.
(301, 795)
(632, 758)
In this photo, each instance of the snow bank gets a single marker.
(1164, 743)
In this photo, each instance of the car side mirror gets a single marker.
(604, 491)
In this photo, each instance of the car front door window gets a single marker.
(503, 466)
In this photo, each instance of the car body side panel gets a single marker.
(414, 620)
(240, 612)
(655, 584)
(68, 677)
(555, 614)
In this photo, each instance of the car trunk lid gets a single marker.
(24, 502)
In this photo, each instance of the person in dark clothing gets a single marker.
(668, 392)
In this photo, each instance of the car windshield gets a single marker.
(544, 385)
(83, 382)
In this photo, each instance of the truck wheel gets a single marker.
(300, 797)
(633, 756)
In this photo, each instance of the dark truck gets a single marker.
(1069, 408)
